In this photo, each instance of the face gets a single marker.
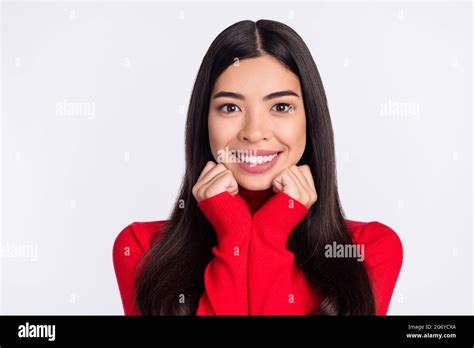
(257, 121)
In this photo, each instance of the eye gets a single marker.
(283, 107)
(228, 108)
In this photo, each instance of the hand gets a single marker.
(298, 183)
(214, 179)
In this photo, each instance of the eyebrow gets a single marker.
(267, 97)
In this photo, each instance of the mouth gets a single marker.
(257, 161)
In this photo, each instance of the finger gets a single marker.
(306, 194)
(289, 185)
(209, 176)
(307, 173)
(209, 171)
(209, 165)
(303, 193)
(301, 178)
(227, 180)
(221, 182)
(296, 177)
(276, 184)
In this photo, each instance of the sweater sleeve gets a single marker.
(277, 286)
(225, 277)
(126, 252)
(383, 257)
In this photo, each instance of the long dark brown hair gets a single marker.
(173, 268)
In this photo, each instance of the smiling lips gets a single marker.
(257, 161)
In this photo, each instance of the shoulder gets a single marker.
(378, 239)
(374, 232)
(382, 253)
(129, 246)
(137, 236)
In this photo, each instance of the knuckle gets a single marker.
(201, 192)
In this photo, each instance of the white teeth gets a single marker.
(258, 159)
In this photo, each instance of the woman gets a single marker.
(258, 228)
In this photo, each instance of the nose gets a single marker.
(255, 128)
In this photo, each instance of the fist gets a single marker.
(297, 182)
(214, 179)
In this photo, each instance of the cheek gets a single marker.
(220, 133)
(294, 135)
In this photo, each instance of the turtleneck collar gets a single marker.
(255, 199)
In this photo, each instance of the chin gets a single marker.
(255, 184)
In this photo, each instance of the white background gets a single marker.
(71, 183)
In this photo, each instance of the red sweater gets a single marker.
(252, 272)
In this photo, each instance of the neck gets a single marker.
(255, 199)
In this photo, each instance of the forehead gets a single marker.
(257, 77)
